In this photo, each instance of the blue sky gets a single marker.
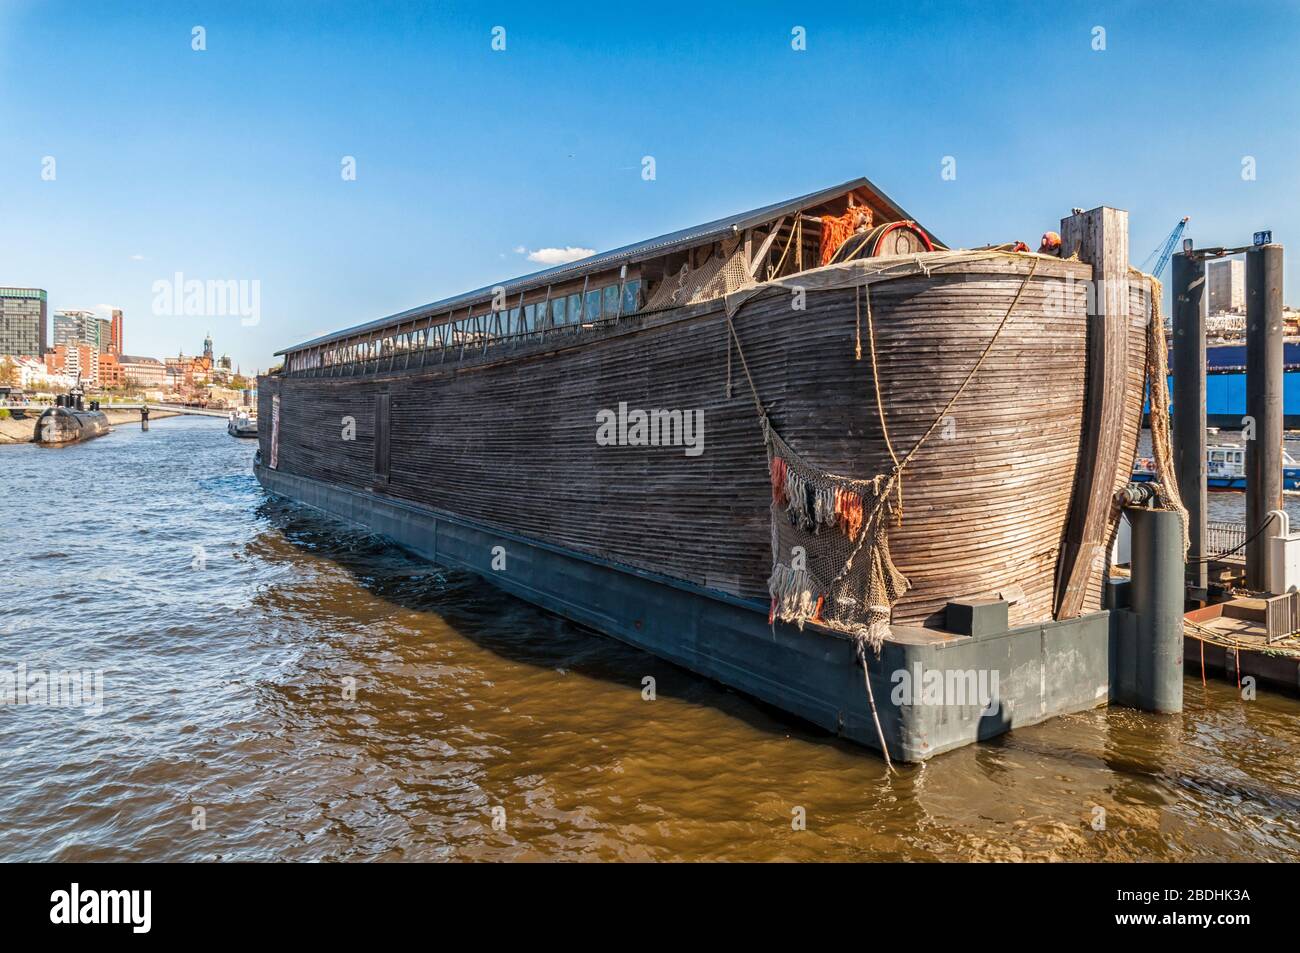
(225, 164)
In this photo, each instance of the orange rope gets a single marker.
(778, 480)
(848, 509)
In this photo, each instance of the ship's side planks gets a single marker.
(510, 441)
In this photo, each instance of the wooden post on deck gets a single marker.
(1100, 238)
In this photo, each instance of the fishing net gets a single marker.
(727, 270)
(837, 229)
(830, 548)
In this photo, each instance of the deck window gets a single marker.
(610, 303)
(593, 306)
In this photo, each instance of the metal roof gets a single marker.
(640, 251)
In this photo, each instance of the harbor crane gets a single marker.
(1161, 254)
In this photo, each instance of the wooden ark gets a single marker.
(485, 408)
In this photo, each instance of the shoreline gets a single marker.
(18, 432)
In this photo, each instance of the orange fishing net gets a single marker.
(837, 228)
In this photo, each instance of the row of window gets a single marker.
(475, 333)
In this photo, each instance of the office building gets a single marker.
(22, 322)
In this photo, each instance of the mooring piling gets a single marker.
(1157, 603)
(1188, 366)
(1264, 382)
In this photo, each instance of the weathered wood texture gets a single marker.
(1100, 239)
(509, 440)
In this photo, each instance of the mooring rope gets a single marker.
(871, 696)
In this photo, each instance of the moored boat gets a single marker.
(242, 424)
(1225, 469)
(733, 446)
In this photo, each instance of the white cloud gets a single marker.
(137, 257)
(558, 256)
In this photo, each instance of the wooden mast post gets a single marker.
(1100, 238)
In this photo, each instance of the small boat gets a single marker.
(1225, 469)
(242, 425)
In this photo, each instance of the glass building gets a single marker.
(82, 327)
(22, 322)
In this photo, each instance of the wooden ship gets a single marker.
(833, 449)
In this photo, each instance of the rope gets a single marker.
(728, 388)
(900, 465)
(974, 370)
(1157, 376)
(796, 225)
(871, 696)
(857, 322)
(882, 575)
(744, 365)
(880, 403)
(893, 477)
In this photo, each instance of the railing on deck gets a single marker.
(1226, 537)
(1281, 616)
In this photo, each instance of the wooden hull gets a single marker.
(507, 439)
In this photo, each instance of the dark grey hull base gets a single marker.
(1040, 670)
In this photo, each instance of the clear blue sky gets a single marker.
(225, 164)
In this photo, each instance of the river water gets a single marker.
(276, 686)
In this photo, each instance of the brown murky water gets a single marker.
(227, 628)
